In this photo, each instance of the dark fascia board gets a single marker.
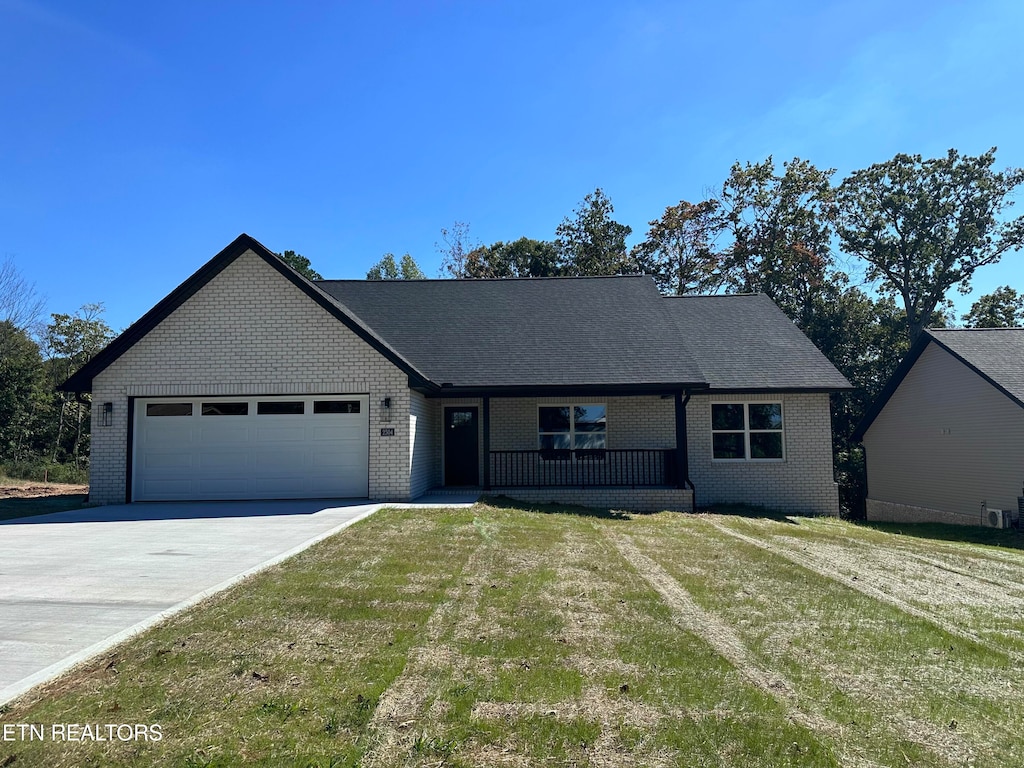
(81, 381)
(777, 390)
(563, 390)
(890, 387)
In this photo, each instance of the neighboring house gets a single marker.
(250, 381)
(944, 441)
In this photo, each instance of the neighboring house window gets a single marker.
(746, 431)
(563, 427)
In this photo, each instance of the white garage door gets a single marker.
(251, 448)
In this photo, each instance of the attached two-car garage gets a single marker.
(280, 447)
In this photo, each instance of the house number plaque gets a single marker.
(387, 431)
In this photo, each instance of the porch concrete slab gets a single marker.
(435, 499)
(73, 584)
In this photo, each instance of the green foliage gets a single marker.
(410, 270)
(679, 250)
(69, 342)
(591, 242)
(1003, 308)
(521, 258)
(24, 399)
(388, 269)
(924, 226)
(300, 264)
(42, 470)
(385, 269)
(781, 234)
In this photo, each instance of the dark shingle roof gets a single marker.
(995, 354)
(746, 342)
(525, 332)
(555, 333)
(586, 331)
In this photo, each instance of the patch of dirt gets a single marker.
(16, 489)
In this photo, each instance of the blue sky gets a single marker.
(138, 139)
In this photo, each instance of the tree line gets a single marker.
(44, 434)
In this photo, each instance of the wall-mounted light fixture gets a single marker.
(108, 414)
(385, 409)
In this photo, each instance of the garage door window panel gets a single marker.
(169, 409)
(225, 409)
(336, 406)
(280, 408)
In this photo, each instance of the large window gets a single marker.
(747, 431)
(562, 427)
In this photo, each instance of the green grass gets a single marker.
(503, 635)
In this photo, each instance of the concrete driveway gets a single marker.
(72, 584)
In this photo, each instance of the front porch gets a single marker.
(619, 451)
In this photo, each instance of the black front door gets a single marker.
(461, 460)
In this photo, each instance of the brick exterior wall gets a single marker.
(803, 482)
(250, 331)
(633, 422)
(627, 499)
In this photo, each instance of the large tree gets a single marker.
(20, 304)
(520, 258)
(924, 226)
(388, 269)
(1003, 308)
(680, 249)
(455, 247)
(778, 228)
(300, 264)
(591, 242)
(24, 397)
(70, 341)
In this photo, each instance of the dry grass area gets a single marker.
(22, 498)
(512, 636)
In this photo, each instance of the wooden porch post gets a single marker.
(487, 443)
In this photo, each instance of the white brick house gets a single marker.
(249, 381)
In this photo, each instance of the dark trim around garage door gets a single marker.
(130, 461)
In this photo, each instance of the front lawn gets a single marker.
(501, 635)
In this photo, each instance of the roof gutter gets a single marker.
(446, 389)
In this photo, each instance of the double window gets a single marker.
(576, 427)
(747, 431)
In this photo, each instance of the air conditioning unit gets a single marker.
(995, 518)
